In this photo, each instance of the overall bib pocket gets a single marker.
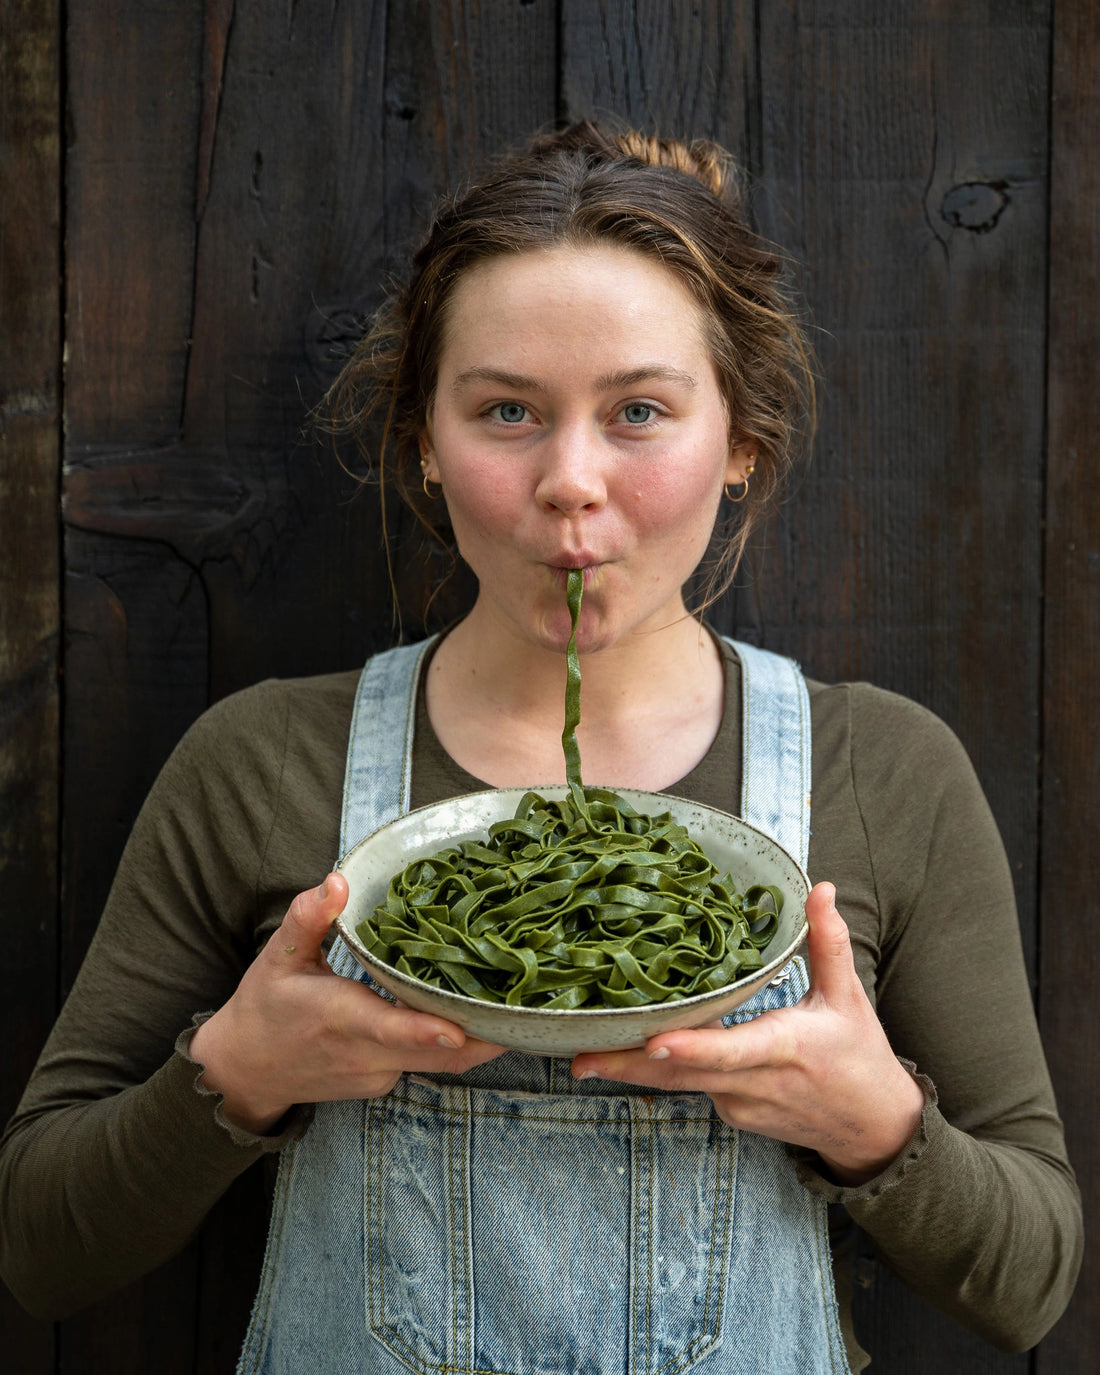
(534, 1234)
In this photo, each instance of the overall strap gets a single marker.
(775, 748)
(378, 776)
(378, 773)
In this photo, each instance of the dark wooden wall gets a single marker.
(199, 205)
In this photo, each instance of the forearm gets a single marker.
(988, 1232)
(95, 1194)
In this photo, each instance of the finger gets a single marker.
(717, 1050)
(750, 1045)
(394, 1026)
(307, 921)
(442, 1061)
(829, 947)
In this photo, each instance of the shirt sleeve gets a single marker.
(117, 1151)
(980, 1213)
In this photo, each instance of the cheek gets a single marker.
(677, 495)
(481, 503)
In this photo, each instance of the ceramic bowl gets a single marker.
(749, 855)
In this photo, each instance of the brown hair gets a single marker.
(677, 202)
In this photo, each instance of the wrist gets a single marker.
(868, 1158)
(240, 1105)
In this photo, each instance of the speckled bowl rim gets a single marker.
(558, 1031)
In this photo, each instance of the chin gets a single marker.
(553, 632)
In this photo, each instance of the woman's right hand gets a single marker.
(295, 1032)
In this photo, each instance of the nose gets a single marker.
(572, 479)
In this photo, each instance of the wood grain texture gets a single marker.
(1070, 872)
(914, 193)
(30, 352)
(133, 94)
(135, 670)
(680, 70)
(133, 98)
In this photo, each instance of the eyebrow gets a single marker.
(609, 381)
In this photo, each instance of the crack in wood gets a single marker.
(217, 22)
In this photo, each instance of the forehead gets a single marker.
(588, 298)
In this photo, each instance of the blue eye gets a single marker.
(638, 413)
(511, 412)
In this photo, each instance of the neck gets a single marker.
(651, 705)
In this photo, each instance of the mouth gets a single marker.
(563, 567)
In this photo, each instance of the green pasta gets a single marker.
(582, 902)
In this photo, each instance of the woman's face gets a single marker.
(578, 423)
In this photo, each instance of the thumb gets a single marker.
(828, 946)
(308, 920)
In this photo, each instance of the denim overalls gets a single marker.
(515, 1221)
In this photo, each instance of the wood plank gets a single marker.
(1070, 872)
(678, 70)
(133, 94)
(133, 99)
(913, 191)
(30, 363)
(134, 89)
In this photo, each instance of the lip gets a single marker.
(561, 568)
(583, 558)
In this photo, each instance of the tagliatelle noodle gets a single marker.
(582, 902)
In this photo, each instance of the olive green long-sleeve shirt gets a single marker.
(980, 1214)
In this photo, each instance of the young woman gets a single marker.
(593, 361)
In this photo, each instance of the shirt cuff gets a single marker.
(290, 1127)
(808, 1163)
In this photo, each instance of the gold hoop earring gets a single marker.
(750, 468)
(432, 496)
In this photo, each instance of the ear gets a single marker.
(741, 461)
(428, 464)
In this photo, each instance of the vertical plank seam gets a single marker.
(1044, 565)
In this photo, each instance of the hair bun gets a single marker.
(701, 159)
(707, 162)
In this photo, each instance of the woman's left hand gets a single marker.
(820, 1074)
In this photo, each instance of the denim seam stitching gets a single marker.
(410, 727)
(372, 1237)
(837, 1347)
(450, 1139)
(530, 1116)
(258, 1327)
(714, 1239)
(649, 1247)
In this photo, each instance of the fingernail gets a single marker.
(446, 1043)
(322, 892)
(661, 1053)
(585, 1074)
